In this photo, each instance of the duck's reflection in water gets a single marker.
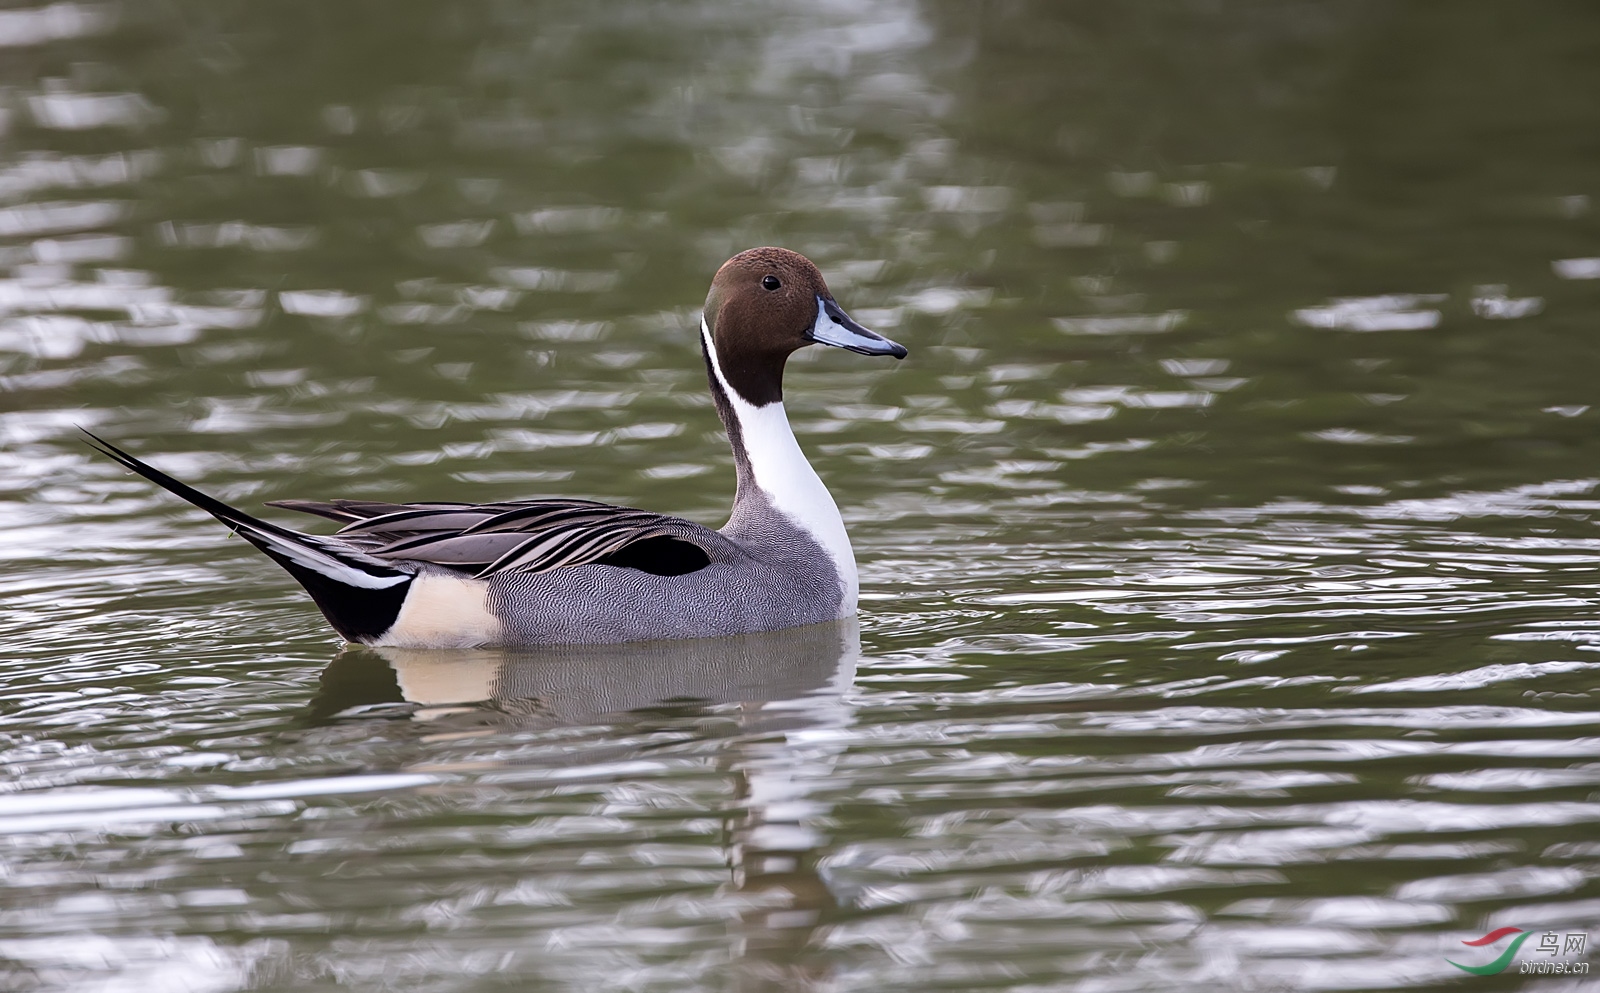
(784, 691)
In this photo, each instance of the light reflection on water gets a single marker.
(1227, 542)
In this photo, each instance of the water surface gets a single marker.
(1227, 541)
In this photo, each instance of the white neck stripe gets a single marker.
(781, 471)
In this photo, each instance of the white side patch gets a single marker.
(444, 612)
(784, 475)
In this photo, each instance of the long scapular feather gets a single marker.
(522, 536)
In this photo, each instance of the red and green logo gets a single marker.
(1500, 964)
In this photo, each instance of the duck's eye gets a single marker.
(770, 282)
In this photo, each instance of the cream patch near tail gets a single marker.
(444, 612)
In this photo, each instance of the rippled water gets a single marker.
(1228, 540)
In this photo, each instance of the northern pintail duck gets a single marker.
(565, 571)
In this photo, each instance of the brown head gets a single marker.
(767, 303)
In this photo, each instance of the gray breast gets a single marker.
(782, 578)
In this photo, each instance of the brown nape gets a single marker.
(754, 326)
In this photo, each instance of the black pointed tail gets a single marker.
(359, 595)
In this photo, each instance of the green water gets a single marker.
(1227, 541)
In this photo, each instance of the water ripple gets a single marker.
(1226, 540)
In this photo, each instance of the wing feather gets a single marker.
(449, 548)
(523, 536)
(452, 519)
(538, 553)
(536, 518)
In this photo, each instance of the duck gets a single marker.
(567, 571)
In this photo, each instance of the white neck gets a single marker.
(790, 484)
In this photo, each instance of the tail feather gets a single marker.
(359, 594)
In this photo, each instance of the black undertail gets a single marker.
(359, 614)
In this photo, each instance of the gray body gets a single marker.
(769, 574)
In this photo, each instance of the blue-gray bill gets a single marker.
(835, 327)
